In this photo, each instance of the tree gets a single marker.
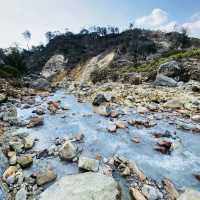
(49, 35)
(131, 26)
(84, 31)
(27, 37)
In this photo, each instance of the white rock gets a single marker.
(88, 164)
(86, 186)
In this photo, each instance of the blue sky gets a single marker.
(40, 16)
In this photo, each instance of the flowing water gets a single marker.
(80, 118)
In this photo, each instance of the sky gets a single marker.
(40, 16)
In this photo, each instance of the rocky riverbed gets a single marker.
(131, 142)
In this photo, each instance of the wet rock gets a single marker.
(196, 118)
(170, 189)
(3, 161)
(88, 164)
(28, 142)
(25, 161)
(10, 171)
(16, 144)
(114, 114)
(102, 110)
(53, 106)
(3, 98)
(134, 169)
(121, 124)
(21, 194)
(164, 147)
(99, 99)
(35, 121)
(67, 151)
(162, 80)
(39, 111)
(197, 176)
(126, 172)
(170, 69)
(174, 104)
(190, 194)
(40, 84)
(10, 115)
(141, 123)
(136, 194)
(142, 110)
(12, 158)
(42, 154)
(83, 186)
(11, 180)
(45, 176)
(151, 193)
(112, 128)
(135, 140)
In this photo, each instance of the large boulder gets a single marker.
(86, 186)
(190, 194)
(170, 69)
(162, 80)
(40, 84)
(54, 65)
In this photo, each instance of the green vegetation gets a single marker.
(172, 55)
(12, 65)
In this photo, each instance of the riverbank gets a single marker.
(138, 126)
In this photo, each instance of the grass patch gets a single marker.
(172, 55)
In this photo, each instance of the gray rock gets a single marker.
(54, 65)
(21, 194)
(10, 115)
(151, 192)
(45, 176)
(102, 110)
(88, 164)
(3, 162)
(162, 80)
(3, 98)
(190, 194)
(99, 99)
(25, 161)
(35, 121)
(86, 186)
(170, 69)
(67, 151)
(40, 83)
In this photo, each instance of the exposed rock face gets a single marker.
(88, 164)
(170, 69)
(170, 188)
(86, 186)
(40, 83)
(190, 194)
(55, 64)
(162, 80)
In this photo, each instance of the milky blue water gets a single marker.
(80, 118)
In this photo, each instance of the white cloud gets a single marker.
(159, 20)
(193, 27)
